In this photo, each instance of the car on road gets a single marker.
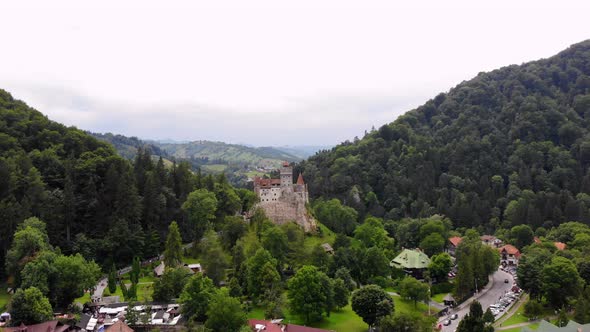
(454, 316)
(447, 322)
(506, 281)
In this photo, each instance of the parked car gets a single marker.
(447, 322)
(506, 281)
(454, 316)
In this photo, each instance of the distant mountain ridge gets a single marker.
(226, 153)
(127, 146)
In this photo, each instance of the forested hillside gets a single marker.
(93, 202)
(507, 147)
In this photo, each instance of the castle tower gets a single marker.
(286, 175)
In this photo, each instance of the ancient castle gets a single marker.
(284, 201)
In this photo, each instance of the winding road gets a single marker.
(488, 296)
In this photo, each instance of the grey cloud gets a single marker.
(306, 120)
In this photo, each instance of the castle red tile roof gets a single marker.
(560, 245)
(455, 240)
(260, 182)
(269, 326)
(300, 179)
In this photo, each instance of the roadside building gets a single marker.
(413, 261)
(509, 255)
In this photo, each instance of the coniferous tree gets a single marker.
(173, 251)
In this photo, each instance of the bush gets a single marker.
(442, 288)
(382, 282)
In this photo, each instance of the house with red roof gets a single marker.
(509, 255)
(50, 326)
(453, 244)
(559, 245)
(259, 325)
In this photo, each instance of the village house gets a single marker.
(559, 245)
(258, 325)
(509, 255)
(413, 261)
(50, 326)
(191, 268)
(453, 244)
(490, 240)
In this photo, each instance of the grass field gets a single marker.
(517, 318)
(85, 298)
(311, 242)
(144, 292)
(439, 297)
(533, 326)
(216, 168)
(343, 320)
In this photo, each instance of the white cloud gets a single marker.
(227, 70)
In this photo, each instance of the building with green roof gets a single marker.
(412, 261)
(572, 326)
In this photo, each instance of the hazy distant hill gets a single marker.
(222, 153)
(303, 151)
(127, 146)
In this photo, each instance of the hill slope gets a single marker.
(127, 146)
(93, 201)
(509, 146)
(222, 153)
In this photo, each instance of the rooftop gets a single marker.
(411, 259)
(510, 250)
(455, 240)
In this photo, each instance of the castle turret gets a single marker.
(286, 175)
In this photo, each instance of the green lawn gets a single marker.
(310, 242)
(4, 297)
(217, 168)
(517, 318)
(144, 292)
(343, 320)
(533, 326)
(85, 298)
(402, 305)
(439, 297)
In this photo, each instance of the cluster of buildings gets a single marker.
(57, 326)
(284, 201)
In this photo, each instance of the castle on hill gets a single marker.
(284, 201)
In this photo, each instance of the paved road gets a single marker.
(486, 297)
(102, 284)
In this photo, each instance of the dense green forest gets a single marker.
(93, 201)
(507, 147)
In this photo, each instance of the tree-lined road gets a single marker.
(486, 297)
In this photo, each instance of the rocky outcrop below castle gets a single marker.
(289, 208)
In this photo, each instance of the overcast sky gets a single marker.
(263, 72)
